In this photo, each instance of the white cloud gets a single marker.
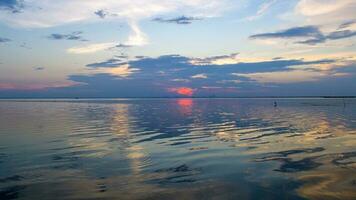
(292, 76)
(180, 80)
(91, 48)
(137, 37)
(326, 12)
(319, 7)
(199, 76)
(46, 13)
(262, 10)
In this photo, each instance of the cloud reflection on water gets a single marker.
(163, 148)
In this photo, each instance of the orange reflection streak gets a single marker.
(185, 106)
(185, 102)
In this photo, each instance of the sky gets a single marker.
(177, 48)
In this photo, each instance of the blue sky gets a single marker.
(158, 48)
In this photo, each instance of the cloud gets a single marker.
(347, 24)
(101, 13)
(170, 71)
(322, 12)
(38, 68)
(91, 48)
(164, 75)
(319, 7)
(24, 45)
(122, 71)
(4, 40)
(340, 34)
(262, 10)
(218, 60)
(137, 37)
(113, 62)
(178, 20)
(285, 76)
(123, 46)
(33, 86)
(295, 32)
(44, 13)
(71, 36)
(307, 35)
(181, 80)
(199, 76)
(15, 6)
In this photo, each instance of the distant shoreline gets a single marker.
(180, 97)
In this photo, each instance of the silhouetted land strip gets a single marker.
(192, 97)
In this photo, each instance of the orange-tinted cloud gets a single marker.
(186, 91)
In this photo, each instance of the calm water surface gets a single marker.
(178, 149)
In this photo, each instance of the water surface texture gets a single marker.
(178, 149)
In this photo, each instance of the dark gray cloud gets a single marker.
(4, 40)
(312, 32)
(101, 13)
(123, 46)
(13, 6)
(340, 34)
(313, 41)
(25, 46)
(71, 36)
(178, 20)
(38, 68)
(295, 32)
(336, 35)
(104, 13)
(122, 56)
(113, 62)
(156, 74)
(277, 58)
(120, 47)
(347, 24)
(164, 70)
(208, 60)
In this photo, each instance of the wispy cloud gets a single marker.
(288, 77)
(24, 45)
(113, 62)
(199, 76)
(38, 68)
(218, 60)
(295, 32)
(71, 36)
(91, 48)
(262, 10)
(310, 35)
(347, 24)
(4, 40)
(101, 13)
(177, 20)
(15, 6)
(325, 13)
(35, 86)
(137, 37)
